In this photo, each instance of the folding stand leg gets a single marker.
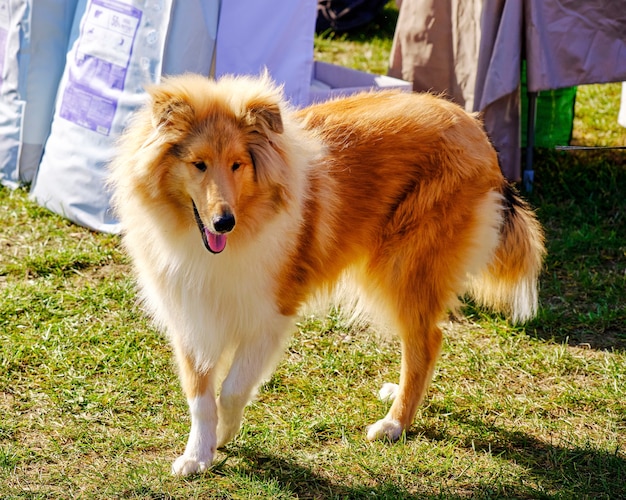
(529, 174)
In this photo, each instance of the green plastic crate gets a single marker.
(555, 115)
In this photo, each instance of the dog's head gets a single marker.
(214, 151)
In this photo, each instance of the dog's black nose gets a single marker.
(224, 223)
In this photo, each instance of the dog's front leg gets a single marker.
(254, 360)
(200, 392)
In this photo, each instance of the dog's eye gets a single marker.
(235, 166)
(200, 165)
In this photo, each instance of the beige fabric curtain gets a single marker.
(436, 46)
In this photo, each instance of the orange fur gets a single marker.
(399, 194)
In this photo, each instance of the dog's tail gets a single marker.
(509, 284)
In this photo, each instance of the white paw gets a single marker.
(184, 466)
(388, 392)
(385, 429)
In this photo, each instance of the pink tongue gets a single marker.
(217, 242)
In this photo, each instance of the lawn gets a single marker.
(90, 405)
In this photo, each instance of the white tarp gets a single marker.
(12, 16)
(33, 46)
(621, 117)
(117, 48)
(190, 43)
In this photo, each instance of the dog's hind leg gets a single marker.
(253, 361)
(420, 351)
(201, 444)
(410, 292)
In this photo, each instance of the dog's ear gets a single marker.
(171, 114)
(265, 126)
(264, 117)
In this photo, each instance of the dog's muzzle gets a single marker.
(214, 238)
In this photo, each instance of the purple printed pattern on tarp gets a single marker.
(100, 64)
(84, 107)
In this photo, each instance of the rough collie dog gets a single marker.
(236, 208)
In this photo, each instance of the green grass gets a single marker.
(595, 123)
(366, 49)
(90, 405)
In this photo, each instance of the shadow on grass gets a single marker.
(550, 471)
(302, 482)
(574, 472)
(553, 471)
(579, 197)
